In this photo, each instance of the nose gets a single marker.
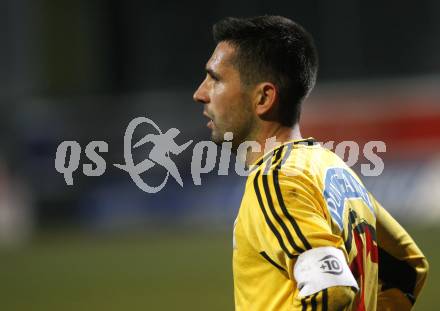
(201, 94)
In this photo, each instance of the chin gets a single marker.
(217, 138)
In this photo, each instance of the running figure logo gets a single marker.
(163, 145)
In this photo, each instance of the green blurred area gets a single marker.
(168, 271)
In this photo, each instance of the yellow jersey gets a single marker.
(302, 196)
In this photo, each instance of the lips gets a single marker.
(210, 123)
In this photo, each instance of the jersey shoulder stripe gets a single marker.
(283, 205)
(276, 164)
(266, 216)
(269, 192)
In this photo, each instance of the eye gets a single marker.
(213, 75)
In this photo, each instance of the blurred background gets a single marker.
(82, 70)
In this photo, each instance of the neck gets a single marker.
(271, 136)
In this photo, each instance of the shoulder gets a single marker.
(289, 174)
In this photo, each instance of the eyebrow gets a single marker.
(212, 73)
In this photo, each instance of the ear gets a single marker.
(267, 96)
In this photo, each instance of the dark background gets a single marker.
(71, 48)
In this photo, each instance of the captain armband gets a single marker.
(320, 268)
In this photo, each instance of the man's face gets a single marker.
(226, 103)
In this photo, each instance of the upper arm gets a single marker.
(292, 225)
(291, 218)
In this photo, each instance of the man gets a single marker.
(308, 235)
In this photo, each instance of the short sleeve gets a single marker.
(292, 218)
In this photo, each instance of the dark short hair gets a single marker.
(274, 49)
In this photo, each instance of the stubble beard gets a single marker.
(245, 132)
(242, 126)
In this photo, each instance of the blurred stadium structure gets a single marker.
(82, 70)
(405, 114)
